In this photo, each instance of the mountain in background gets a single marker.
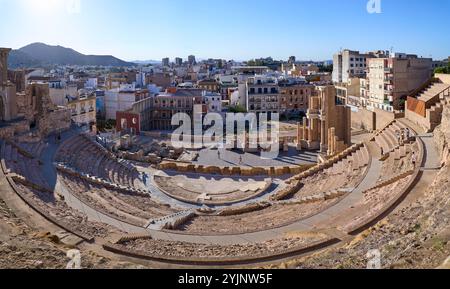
(40, 54)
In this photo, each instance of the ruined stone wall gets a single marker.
(383, 118)
(364, 119)
(14, 129)
(55, 121)
(39, 107)
(442, 136)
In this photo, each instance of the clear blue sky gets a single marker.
(231, 29)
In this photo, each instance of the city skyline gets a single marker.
(158, 28)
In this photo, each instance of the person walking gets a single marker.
(414, 159)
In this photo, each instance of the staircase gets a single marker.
(170, 222)
(435, 96)
(432, 91)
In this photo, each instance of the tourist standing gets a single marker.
(414, 159)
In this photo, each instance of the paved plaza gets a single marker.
(227, 158)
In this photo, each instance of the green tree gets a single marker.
(237, 109)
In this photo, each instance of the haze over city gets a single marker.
(239, 30)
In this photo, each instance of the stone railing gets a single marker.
(327, 164)
(287, 192)
(225, 261)
(245, 209)
(231, 171)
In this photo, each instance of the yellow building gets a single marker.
(83, 110)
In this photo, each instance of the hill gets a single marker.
(40, 54)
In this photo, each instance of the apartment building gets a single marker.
(391, 80)
(174, 100)
(212, 101)
(209, 85)
(348, 64)
(178, 61)
(160, 79)
(122, 99)
(191, 60)
(83, 109)
(165, 62)
(262, 94)
(295, 96)
(349, 92)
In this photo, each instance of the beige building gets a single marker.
(209, 85)
(349, 92)
(165, 105)
(391, 80)
(83, 110)
(294, 97)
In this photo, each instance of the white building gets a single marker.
(91, 83)
(140, 79)
(213, 101)
(348, 64)
(122, 98)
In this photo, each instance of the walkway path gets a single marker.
(261, 236)
(303, 225)
(430, 167)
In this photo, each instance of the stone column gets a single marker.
(323, 136)
(299, 136)
(305, 131)
(333, 140)
(311, 130)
